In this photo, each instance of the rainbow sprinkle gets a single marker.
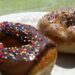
(33, 42)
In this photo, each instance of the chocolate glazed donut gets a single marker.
(60, 27)
(25, 51)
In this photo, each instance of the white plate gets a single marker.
(65, 64)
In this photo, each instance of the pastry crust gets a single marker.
(46, 64)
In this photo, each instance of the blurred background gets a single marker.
(13, 6)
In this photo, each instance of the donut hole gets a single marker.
(9, 40)
(68, 20)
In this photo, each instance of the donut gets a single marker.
(24, 50)
(60, 27)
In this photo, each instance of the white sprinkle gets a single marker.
(25, 37)
(17, 49)
(36, 50)
(35, 36)
(24, 58)
(24, 40)
(9, 48)
(5, 52)
(5, 57)
(31, 57)
(16, 53)
(29, 40)
(22, 46)
(6, 48)
(15, 27)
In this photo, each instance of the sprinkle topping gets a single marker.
(33, 42)
(65, 17)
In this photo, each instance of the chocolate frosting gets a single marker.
(21, 42)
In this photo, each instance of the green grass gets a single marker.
(12, 6)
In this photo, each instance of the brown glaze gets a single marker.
(60, 27)
(48, 57)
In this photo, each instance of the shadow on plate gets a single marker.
(66, 60)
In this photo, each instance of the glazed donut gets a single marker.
(60, 27)
(25, 51)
